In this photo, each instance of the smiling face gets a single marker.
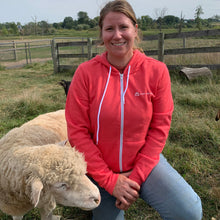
(118, 34)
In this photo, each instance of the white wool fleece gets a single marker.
(23, 164)
(23, 158)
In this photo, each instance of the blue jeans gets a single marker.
(164, 190)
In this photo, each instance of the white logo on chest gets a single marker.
(142, 93)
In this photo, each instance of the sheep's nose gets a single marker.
(96, 200)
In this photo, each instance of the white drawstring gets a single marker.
(100, 105)
(126, 84)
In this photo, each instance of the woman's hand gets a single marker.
(125, 191)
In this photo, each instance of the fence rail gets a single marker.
(203, 33)
(23, 48)
(185, 51)
(160, 52)
(12, 51)
(161, 37)
(75, 50)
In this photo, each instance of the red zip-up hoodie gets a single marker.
(119, 121)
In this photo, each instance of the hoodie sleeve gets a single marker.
(158, 131)
(80, 134)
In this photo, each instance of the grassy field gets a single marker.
(192, 148)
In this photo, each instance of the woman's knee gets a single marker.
(190, 210)
(194, 212)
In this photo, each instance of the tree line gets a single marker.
(83, 22)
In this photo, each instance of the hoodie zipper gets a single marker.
(122, 114)
(122, 122)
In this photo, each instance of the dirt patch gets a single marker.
(21, 63)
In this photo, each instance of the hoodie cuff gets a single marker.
(143, 168)
(110, 185)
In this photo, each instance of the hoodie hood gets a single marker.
(136, 60)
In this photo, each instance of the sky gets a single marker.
(51, 11)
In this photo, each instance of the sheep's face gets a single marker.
(61, 173)
(84, 194)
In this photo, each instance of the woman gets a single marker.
(118, 114)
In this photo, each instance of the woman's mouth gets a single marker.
(118, 44)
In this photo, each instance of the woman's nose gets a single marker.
(117, 34)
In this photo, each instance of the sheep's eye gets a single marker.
(61, 186)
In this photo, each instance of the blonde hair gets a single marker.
(121, 6)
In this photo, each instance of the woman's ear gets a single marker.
(136, 28)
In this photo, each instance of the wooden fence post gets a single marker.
(89, 43)
(54, 56)
(82, 47)
(161, 47)
(29, 52)
(26, 52)
(184, 42)
(15, 52)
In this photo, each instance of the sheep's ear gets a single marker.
(62, 143)
(36, 188)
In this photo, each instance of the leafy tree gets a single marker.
(80, 27)
(68, 23)
(7, 25)
(44, 26)
(94, 22)
(83, 22)
(198, 20)
(29, 28)
(171, 20)
(57, 25)
(13, 28)
(4, 31)
(144, 22)
(216, 18)
(96, 19)
(9, 28)
(83, 17)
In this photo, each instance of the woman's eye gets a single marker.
(108, 29)
(124, 27)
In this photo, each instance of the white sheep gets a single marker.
(37, 172)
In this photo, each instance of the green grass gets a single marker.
(192, 147)
(1, 67)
